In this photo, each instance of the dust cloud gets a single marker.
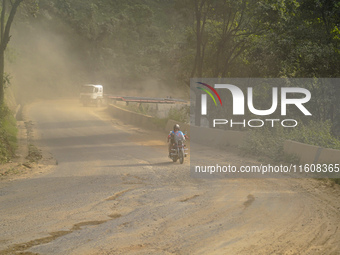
(48, 60)
(151, 88)
(45, 63)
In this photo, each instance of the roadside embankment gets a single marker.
(26, 159)
(311, 154)
(133, 118)
(222, 138)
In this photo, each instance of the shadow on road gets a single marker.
(142, 164)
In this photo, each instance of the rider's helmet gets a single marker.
(176, 127)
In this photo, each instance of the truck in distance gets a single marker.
(91, 94)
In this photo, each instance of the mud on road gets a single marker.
(114, 191)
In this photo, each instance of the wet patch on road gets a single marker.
(250, 200)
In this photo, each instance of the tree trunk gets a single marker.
(5, 36)
(2, 83)
(200, 17)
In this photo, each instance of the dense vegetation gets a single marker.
(166, 42)
(205, 38)
(123, 42)
(8, 133)
(173, 40)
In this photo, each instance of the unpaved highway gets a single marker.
(114, 191)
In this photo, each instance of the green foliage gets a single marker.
(125, 41)
(138, 108)
(134, 40)
(316, 133)
(34, 154)
(8, 134)
(181, 115)
(129, 42)
(160, 122)
(300, 42)
(7, 80)
(266, 143)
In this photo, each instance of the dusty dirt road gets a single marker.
(114, 191)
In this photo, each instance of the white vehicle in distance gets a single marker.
(91, 94)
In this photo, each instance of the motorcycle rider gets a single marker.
(171, 137)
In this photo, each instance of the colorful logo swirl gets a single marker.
(209, 93)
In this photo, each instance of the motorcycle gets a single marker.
(178, 151)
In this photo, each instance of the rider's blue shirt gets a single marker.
(178, 135)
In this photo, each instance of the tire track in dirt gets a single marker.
(118, 194)
(23, 247)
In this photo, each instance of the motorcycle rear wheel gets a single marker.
(181, 157)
